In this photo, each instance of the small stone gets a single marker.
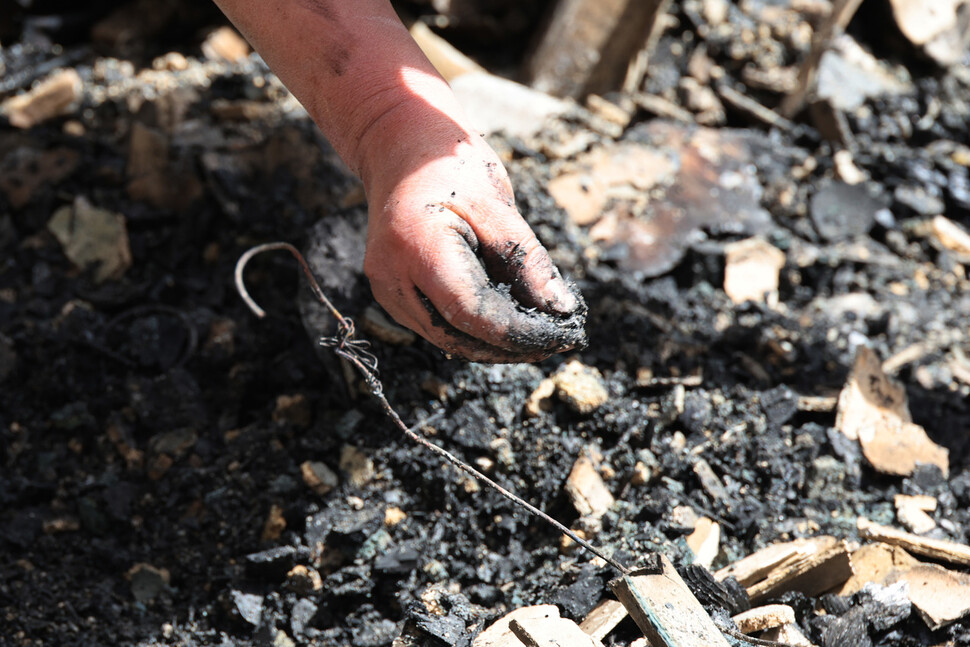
(147, 581)
(271, 564)
(303, 580)
(580, 387)
(641, 474)
(224, 43)
(318, 477)
(846, 169)
(359, 468)
(293, 409)
(247, 606)
(394, 516)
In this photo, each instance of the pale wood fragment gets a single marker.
(813, 575)
(599, 622)
(751, 271)
(940, 595)
(938, 549)
(756, 566)
(664, 608)
(50, 98)
(874, 563)
(762, 618)
(873, 409)
(498, 634)
(586, 488)
(551, 632)
(705, 541)
(912, 512)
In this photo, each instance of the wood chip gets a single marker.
(870, 398)
(498, 634)
(752, 108)
(812, 575)
(710, 481)
(874, 563)
(55, 96)
(274, 525)
(664, 608)
(758, 565)
(586, 488)
(751, 271)
(93, 238)
(599, 622)
(762, 618)
(937, 549)
(934, 25)
(551, 632)
(940, 595)
(912, 512)
(705, 541)
(873, 409)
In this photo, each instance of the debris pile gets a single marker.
(766, 206)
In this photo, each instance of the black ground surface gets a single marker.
(140, 421)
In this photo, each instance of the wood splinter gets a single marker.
(664, 608)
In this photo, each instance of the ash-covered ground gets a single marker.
(161, 448)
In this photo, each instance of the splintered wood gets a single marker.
(873, 410)
(811, 566)
(663, 607)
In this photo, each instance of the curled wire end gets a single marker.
(314, 286)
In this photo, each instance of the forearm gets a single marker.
(352, 64)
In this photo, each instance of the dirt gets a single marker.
(152, 431)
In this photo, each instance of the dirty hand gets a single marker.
(448, 254)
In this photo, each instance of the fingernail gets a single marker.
(558, 297)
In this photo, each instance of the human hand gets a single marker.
(449, 255)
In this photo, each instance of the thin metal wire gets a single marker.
(355, 351)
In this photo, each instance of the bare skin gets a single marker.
(444, 235)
